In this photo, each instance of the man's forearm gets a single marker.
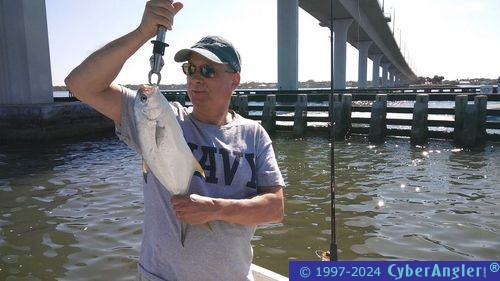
(267, 207)
(263, 208)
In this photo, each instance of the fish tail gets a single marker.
(184, 227)
(198, 167)
(145, 171)
(208, 227)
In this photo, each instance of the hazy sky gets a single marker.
(452, 38)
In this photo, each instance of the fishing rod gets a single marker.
(333, 237)
(332, 254)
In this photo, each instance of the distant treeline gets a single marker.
(436, 80)
(440, 80)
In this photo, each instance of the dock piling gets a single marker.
(470, 130)
(341, 105)
(419, 125)
(234, 103)
(470, 121)
(331, 118)
(460, 104)
(269, 113)
(243, 106)
(378, 121)
(300, 116)
(480, 103)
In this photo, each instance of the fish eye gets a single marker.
(143, 98)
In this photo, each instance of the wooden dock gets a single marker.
(468, 120)
(470, 117)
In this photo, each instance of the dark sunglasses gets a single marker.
(205, 70)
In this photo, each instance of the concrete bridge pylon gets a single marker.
(25, 74)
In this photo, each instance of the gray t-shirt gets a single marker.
(238, 158)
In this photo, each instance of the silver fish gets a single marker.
(163, 147)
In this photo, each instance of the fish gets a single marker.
(162, 145)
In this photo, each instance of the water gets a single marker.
(73, 210)
(61, 94)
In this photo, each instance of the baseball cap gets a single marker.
(214, 48)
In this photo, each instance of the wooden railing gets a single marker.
(468, 118)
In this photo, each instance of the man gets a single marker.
(243, 185)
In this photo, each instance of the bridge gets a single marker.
(25, 76)
(360, 23)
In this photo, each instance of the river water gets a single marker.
(72, 210)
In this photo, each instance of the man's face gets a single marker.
(212, 93)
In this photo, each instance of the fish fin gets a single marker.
(159, 134)
(198, 168)
(145, 171)
(208, 227)
(184, 227)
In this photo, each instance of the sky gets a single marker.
(457, 39)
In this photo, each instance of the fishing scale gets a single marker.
(156, 59)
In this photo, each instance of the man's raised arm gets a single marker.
(91, 81)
